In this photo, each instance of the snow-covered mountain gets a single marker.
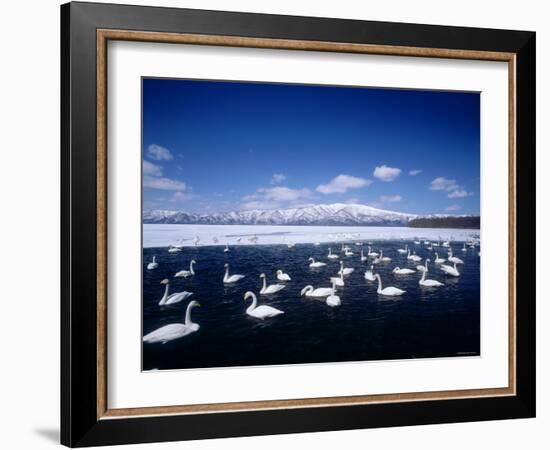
(334, 214)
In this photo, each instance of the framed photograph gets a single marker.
(277, 224)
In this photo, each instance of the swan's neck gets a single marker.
(426, 265)
(188, 315)
(265, 284)
(165, 296)
(379, 282)
(154, 259)
(423, 276)
(408, 252)
(191, 268)
(226, 274)
(333, 287)
(252, 307)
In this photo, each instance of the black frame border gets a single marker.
(79, 423)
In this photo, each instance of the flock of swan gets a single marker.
(327, 294)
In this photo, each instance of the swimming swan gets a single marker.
(363, 257)
(174, 250)
(309, 291)
(454, 259)
(153, 264)
(316, 264)
(226, 249)
(346, 271)
(187, 273)
(384, 258)
(428, 283)
(281, 276)
(262, 311)
(423, 268)
(450, 270)
(438, 260)
(230, 279)
(338, 281)
(399, 271)
(371, 253)
(176, 297)
(414, 257)
(272, 288)
(174, 330)
(390, 290)
(331, 255)
(369, 275)
(333, 300)
(403, 250)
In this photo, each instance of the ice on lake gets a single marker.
(165, 235)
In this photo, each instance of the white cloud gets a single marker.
(390, 198)
(342, 183)
(275, 197)
(458, 193)
(159, 153)
(353, 201)
(453, 208)
(386, 173)
(151, 169)
(180, 196)
(277, 178)
(165, 184)
(443, 184)
(414, 172)
(284, 194)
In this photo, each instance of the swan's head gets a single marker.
(165, 281)
(311, 259)
(428, 260)
(226, 265)
(395, 270)
(262, 275)
(248, 295)
(279, 272)
(193, 261)
(193, 303)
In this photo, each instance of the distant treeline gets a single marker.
(445, 222)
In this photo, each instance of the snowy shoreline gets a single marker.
(164, 235)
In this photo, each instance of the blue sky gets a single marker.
(212, 146)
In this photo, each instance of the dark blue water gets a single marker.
(423, 323)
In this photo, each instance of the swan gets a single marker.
(450, 270)
(331, 255)
(176, 297)
(196, 240)
(281, 276)
(369, 275)
(390, 290)
(348, 253)
(446, 244)
(346, 271)
(290, 245)
(226, 249)
(230, 279)
(403, 250)
(438, 260)
(332, 299)
(464, 249)
(371, 253)
(153, 264)
(316, 264)
(398, 271)
(317, 244)
(423, 268)
(309, 291)
(239, 239)
(454, 259)
(428, 283)
(174, 250)
(187, 273)
(262, 311)
(414, 257)
(363, 257)
(338, 281)
(384, 258)
(272, 288)
(417, 242)
(174, 330)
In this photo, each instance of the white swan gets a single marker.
(317, 244)
(371, 253)
(414, 257)
(369, 274)
(174, 250)
(281, 276)
(331, 255)
(187, 273)
(399, 271)
(231, 279)
(348, 253)
(226, 249)
(464, 249)
(153, 264)
(363, 257)
(345, 271)
(403, 250)
(239, 239)
(390, 291)
(423, 268)
(272, 288)
(417, 242)
(309, 291)
(438, 260)
(333, 300)
(454, 259)
(171, 299)
(450, 270)
(316, 264)
(428, 283)
(384, 258)
(174, 330)
(262, 311)
(338, 281)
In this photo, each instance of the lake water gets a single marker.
(423, 323)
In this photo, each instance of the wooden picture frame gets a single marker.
(86, 419)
